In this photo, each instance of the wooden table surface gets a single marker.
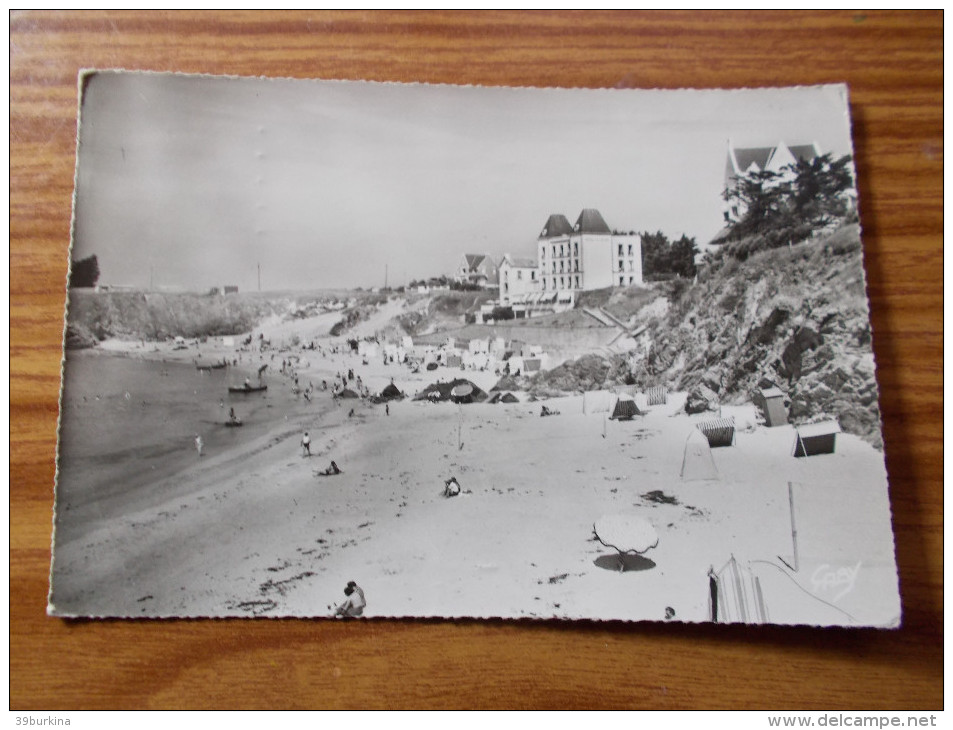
(893, 63)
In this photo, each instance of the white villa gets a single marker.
(586, 255)
(744, 161)
(518, 279)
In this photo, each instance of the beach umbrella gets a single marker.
(462, 390)
(625, 534)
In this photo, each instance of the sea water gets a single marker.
(128, 423)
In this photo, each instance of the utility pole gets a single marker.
(793, 526)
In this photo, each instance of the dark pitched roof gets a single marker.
(556, 225)
(745, 156)
(591, 221)
(474, 260)
(805, 152)
(761, 156)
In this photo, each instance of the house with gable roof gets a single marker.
(745, 161)
(518, 278)
(477, 269)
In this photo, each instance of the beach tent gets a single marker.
(697, 461)
(391, 392)
(718, 431)
(407, 342)
(625, 408)
(656, 396)
(735, 596)
(596, 401)
(509, 398)
(454, 361)
(532, 364)
(495, 398)
(745, 417)
(498, 346)
(771, 402)
(816, 438)
(479, 345)
(444, 391)
(367, 349)
(348, 393)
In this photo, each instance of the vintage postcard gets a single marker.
(348, 349)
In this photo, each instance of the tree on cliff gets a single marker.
(787, 207)
(84, 273)
(662, 259)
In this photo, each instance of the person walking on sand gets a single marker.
(306, 444)
(199, 444)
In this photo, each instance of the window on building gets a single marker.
(562, 283)
(577, 281)
(575, 249)
(554, 250)
(562, 266)
(631, 279)
(621, 265)
(519, 275)
(554, 267)
(620, 249)
(532, 275)
(621, 281)
(544, 285)
(577, 264)
(630, 249)
(561, 251)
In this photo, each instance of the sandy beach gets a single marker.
(249, 529)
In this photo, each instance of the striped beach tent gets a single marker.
(625, 408)
(656, 396)
(719, 431)
(735, 595)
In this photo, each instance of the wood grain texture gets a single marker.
(893, 63)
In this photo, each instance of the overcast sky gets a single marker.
(194, 181)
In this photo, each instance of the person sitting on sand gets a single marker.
(451, 487)
(331, 471)
(358, 590)
(353, 605)
(247, 383)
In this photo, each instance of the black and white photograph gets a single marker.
(354, 350)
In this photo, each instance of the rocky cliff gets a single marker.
(793, 317)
